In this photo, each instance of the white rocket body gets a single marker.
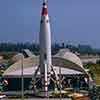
(45, 45)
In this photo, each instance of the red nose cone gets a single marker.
(44, 10)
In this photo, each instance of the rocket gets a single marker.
(45, 47)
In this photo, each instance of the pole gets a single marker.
(22, 80)
(60, 82)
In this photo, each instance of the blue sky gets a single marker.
(72, 21)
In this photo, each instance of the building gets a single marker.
(70, 65)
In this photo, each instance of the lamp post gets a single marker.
(22, 79)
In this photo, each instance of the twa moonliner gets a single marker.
(45, 47)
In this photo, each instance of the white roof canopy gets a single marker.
(69, 63)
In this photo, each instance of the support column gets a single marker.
(78, 83)
(45, 82)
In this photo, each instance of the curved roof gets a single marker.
(66, 54)
(64, 58)
(17, 57)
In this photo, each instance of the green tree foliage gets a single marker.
(18, 47)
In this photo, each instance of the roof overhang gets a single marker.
(30, 65)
